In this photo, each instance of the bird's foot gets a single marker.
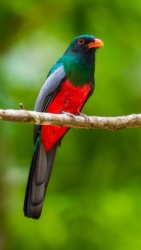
(69, 114)
(85, 116)
(73, 116)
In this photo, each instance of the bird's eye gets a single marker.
(81, 41)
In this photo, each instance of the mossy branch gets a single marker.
(90, 122)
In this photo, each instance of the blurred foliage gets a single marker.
(94, 195)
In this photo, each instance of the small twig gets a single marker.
(21, 106)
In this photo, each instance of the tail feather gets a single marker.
(39, 175)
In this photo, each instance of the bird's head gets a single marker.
(79, 58)
(84, 44)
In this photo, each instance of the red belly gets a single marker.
(69, 99)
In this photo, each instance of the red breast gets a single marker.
(70, 99)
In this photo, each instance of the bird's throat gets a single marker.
(78, 72)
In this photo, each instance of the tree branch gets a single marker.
(92, 122)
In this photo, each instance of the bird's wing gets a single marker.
(48, 92)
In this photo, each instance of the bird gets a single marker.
(68, 86)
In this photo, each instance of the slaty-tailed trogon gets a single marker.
(68, 86)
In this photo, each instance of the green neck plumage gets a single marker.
(78, 71)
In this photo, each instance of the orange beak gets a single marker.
(97, 43)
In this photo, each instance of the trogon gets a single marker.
(68, 86)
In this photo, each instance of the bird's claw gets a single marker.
(73, 116)
(85, 116)
(69, 114)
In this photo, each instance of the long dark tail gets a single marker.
(39, 175)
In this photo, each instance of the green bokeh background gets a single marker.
(94, 195)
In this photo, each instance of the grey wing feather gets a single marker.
(51, 84)
(48, 92)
